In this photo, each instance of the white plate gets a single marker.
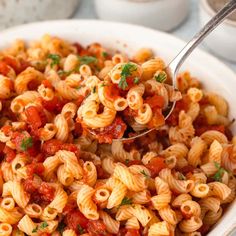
(214, 75)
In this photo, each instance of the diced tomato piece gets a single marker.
(4, 68)
(35, 168)
(111, 92)
(75, 218)
(157, 119)
(187, 169)
(200, 130)
(96, 227)
(113, 131)
(33, 117)
(47, 83)
(23, 65)
(155, 101)
(156, 165)
(50, 147)
(132, 232)
(55, 105)
(30, 185)
(12, 62)
(10, 154)
(46, 191)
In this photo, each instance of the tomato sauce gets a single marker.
(156, 165)
(111, 92)
(114, 131)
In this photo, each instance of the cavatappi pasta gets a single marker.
(58, 179)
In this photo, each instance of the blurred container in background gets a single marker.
(14, 12)
(159, 14)
(222, 41)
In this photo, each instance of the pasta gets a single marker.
(63, 170)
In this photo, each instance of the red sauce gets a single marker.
(79, 100)
(111, 92)
(157, 119)
(46, 191)
(35, 116)
(47, 84)
(35, 168)
(7, 130)
(19, 139)
(156, 165)
(201, 129)
(12, 62)
(128, 232)
(50, 147)
(101, 174)
(75, 218)
(78, 47)
(70, 206)
(187, 169)
(96, 227)
(10, 154)
(71, 147)
(155, 101)
(55, 105)
(114, 131)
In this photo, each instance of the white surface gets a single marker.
(147, 13)
(226, 32)
(124, 37)
(185, 31)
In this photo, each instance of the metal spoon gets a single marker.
(174, 66)
(176, 63)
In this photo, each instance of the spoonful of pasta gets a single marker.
(138, 98)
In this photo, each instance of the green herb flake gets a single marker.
(181, 177)
(55, 59)
(44, 225)
(26, 143)
(144, 173)
(126, 201)
(104, 54)
(80, 229)
(103, 85)
(161, 77)
(136, 80)
(126, 70)
(78, 87)
(64, 73)
(61, 227)
(127, 161)
(86, 60)
(220, 171)
(35, 229)
(94, 89)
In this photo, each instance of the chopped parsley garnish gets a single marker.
(144, 173)
(80, 229)
(136, 80)
(55, 59)
(26, 143)
(161, 77)
(78, 87)
(181, 176)
(126, 201)
(43, 225)
(35, 229)
(61, 227)
(94, 89)
(104, 54)
(127, 161)
(63, 73)
(86, 60)
(220, 171)
(126, 70)
(103, 85)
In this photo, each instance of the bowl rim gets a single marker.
(200, 54)
(204, 4)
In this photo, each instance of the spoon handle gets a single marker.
(197, 38)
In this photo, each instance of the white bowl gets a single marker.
(222, 41)
(214, 75)
(163, 15)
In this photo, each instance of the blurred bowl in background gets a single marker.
(14, 12)
(159, 14)
(222, 41)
